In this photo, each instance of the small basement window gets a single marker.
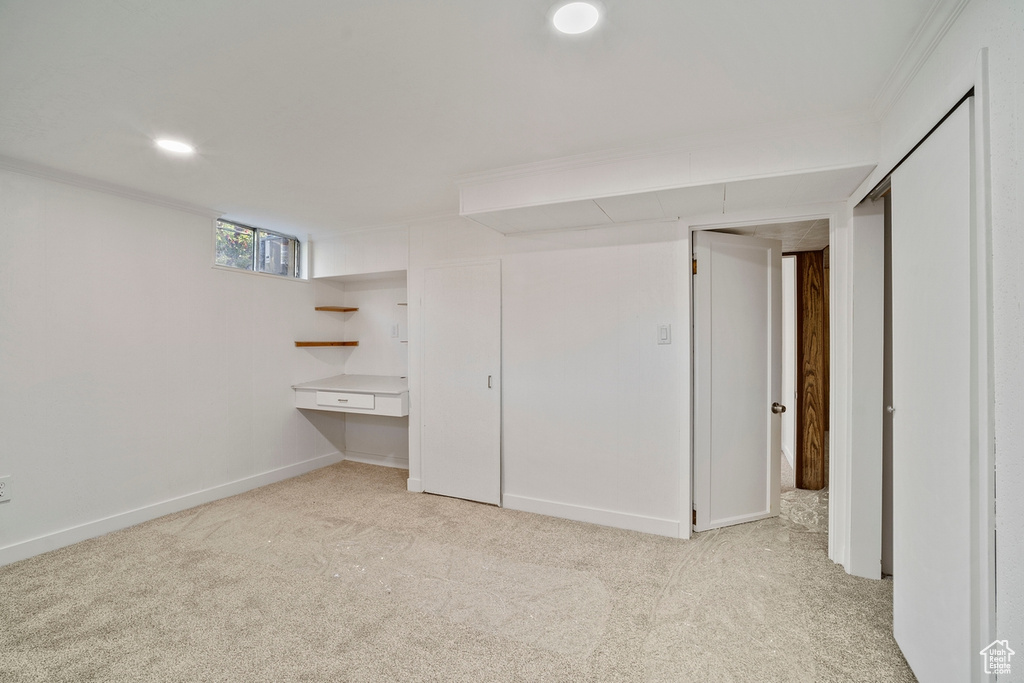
(255, 249)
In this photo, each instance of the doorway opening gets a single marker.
(811, 369)
(802, 457)
(805, 346)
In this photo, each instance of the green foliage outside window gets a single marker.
(234, 246)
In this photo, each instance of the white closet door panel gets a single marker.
(931, 379)
(461, 437)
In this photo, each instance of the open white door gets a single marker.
(461, 441)
(931, 396)
(737, 300)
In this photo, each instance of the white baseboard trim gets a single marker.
(375, 459)
(123, 520)
(414, 485)
(579, 513)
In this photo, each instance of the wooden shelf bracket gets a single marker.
(326, 343)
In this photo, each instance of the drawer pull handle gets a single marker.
(342, 400)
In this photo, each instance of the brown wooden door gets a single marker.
(811, 463)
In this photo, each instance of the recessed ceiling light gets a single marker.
(576, 17)
(176, 146)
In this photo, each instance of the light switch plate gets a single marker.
(664, 334)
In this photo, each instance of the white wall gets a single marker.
(953, 68)
(135, 379)
(378, 352)
(579, 329)
(591, 402)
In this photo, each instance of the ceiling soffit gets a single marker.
(768, 194)
(725, 156)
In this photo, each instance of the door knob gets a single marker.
(891, 410)
(778, 408)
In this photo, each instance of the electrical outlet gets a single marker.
(5, 489)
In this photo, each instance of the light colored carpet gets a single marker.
(341, 575)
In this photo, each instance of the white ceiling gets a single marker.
(795, 236)
(313, 116)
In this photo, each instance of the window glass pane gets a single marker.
(234, 246)
(275, 254)
(247, 248)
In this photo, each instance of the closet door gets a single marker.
(461, 437)
(931, 389)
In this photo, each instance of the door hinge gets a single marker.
(695, 518)
(694, 266)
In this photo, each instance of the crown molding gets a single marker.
(920, 48)
(85, 182)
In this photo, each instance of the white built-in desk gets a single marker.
(368, 394)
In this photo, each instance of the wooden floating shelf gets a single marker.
(327, 343)
(339, 309)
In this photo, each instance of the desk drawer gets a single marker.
(338, 399)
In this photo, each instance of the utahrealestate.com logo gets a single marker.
(997, 657)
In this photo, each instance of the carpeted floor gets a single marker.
(341, 575)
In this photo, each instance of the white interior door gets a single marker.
(737, 299)
(461, 424)
(931, 395)
(788, 381)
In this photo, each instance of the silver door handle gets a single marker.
(778, 408)
(891, 410)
